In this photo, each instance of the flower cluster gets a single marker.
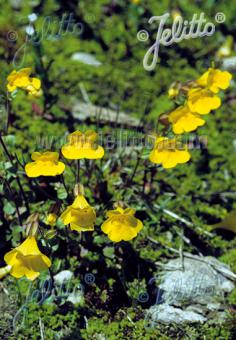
(21, 79)
(80, 146)
(27, 260)
(121, 224)
(201, 98)
(80, 216)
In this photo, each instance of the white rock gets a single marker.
(197, 285)
(168, 314)
(213, 306)
(16, 3)
(229, 63)
(86, 58)
(63, 276)
(199, 282)
(76, 298)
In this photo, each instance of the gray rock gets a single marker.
(86, 58)
(168, 314)
(16, 4)
(76, 298)
(83, 111)
(229, 63)
(199, 282)
(63, 276)
(195, 284)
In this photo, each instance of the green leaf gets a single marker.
(109, 252)
(49, 234)
(61, 192)
(9, 209)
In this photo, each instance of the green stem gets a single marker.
(17, 177)
(15, 201)
(65, 187)
(135, 168)
(20, 295)
(130, 179)
(77, 178)
(49, 269)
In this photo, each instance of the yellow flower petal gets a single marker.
(35, 156)
(45, 164)
(29, 246)
(10, 257)
(27, 260)
(25, 71)
(184, 120)
(11, 88)
(117, 211)
(66, 216)
(170, 161)
(121, 225)
(82, 146)
(215, 80)
(46, 260)
(31, 275)
(21, 79)
(36, 263)
(76, 227)
(32, 170)
(83, 217)
(18, 270)
(80, 215)
(202, 101)
(168, 153)
(129, 211)
(36, 83)
(80, 202)
(158, 157)
(106, 226)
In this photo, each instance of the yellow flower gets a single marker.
(121, 225)
(4, 271)
(82, 145)
(184, 120)
(45, 164)
(51, 219)
(168, 153)
(136, 2)
(214, 80)
(27, 260)
(202, 101)
(22, 79)
(34, 90)
(80, 215)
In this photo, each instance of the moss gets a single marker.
(128, 329)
